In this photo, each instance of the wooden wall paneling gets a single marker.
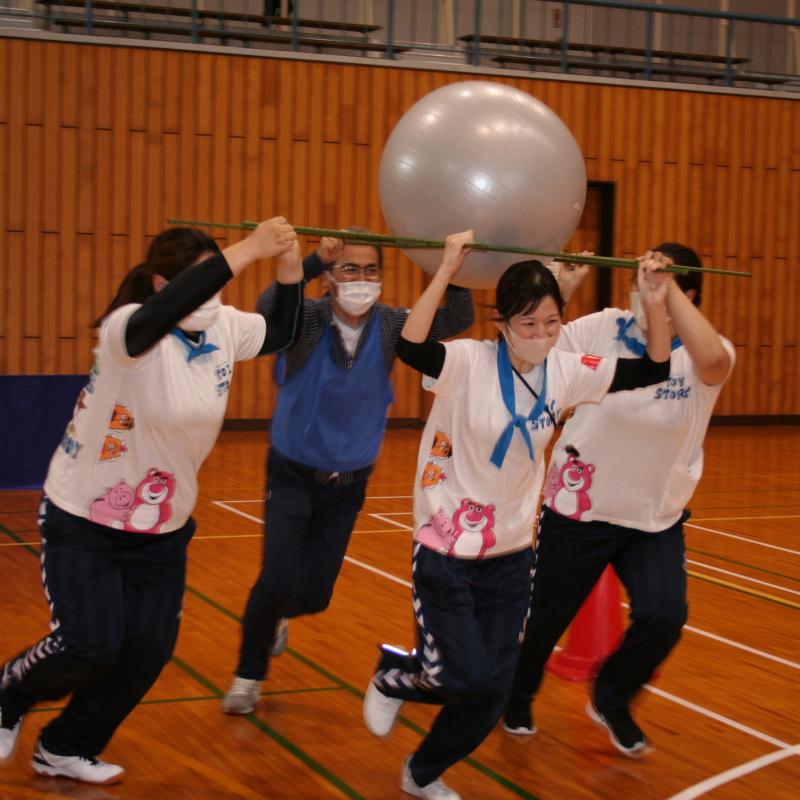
(363, 188)
(332, 104)
(590, 144)
(221, 173)
(5, 85)
(5, 263)
(87, 208)
(121, 101)
(622, 145)
(721, 151)
(272, 75)
(154, 102)
(66, 282)
(68, 83)
(16, 139)
(285, 135)
(203, 176)
(364, 99)
(237, 96)
(794, 155)
(605, 122)
(104, 88)
(170, 182)
(378, 133)
(187, 201)
(15, 288)
(675, 128)
(173, 91)
(308, 99)
(103, 287)
(49, 331)
(137, 187)
(31, 267)
(139, 88)
(204, 97)
(86, 266)
(32, 82)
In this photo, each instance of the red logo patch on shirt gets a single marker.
(591, 361)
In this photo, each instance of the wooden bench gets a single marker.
(557, 46)
(640, 68)
(126, 8)
(202, 31)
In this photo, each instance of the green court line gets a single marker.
(285, 743)
(482, 768)
(743, 564)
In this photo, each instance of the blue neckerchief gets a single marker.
(634, 345)
(507, 390)
(193, 350)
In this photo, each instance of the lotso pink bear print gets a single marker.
(468, 534)
(141, 510)
(567, 489)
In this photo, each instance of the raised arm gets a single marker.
(283, 319)
(192, 287)
(710, 359)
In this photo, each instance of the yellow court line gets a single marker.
(215, 775)
(744, 589)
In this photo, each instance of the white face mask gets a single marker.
(202, 318)
(638, 310)
(531, 351)
(357, 297)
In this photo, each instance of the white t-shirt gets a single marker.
(143, 426)
(639, 453)
(464, 505)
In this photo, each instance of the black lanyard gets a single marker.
(536, 396)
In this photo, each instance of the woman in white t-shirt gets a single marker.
(115, 517)
(479, 473)
(620, 477)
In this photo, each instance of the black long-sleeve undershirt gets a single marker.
(192, 287)
(630, 373)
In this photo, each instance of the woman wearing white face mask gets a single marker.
(620, 477)
(115, 519)
(479, 472)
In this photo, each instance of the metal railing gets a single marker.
(605, 38)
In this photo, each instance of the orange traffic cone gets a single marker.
(594, 633)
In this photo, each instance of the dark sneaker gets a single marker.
(624, 733)
(519, 720)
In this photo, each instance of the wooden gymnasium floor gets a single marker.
(724, 709)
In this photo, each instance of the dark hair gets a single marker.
(373, 245)
(523, 286)
(169, 253)
(681, 254)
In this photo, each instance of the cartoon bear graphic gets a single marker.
(121, 418)
(113, 509)
(112, 449)
(439, 533)
(151, 508)
(442, 446)
(473, 523)
(569, 487)
(432, 475)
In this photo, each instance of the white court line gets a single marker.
(718, 717)
(745, 647)
(735, 772)
(743, 538)
(389, 521)
(660, 692)
(744, 577)
(394, 513)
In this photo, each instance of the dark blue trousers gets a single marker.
(470, 618)
(115, 599)
(570, 557)
(308, 519)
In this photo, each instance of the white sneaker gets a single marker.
(242, 696)
(380, 711)
(88, 770)
(436, 790)
(281, 636)
(8, 739)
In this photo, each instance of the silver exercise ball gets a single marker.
(485, 156)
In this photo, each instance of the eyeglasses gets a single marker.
(351, 272)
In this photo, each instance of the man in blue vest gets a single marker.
(327, 428)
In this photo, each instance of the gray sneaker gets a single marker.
(88, 770)
(242, 696)
(281, 636)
